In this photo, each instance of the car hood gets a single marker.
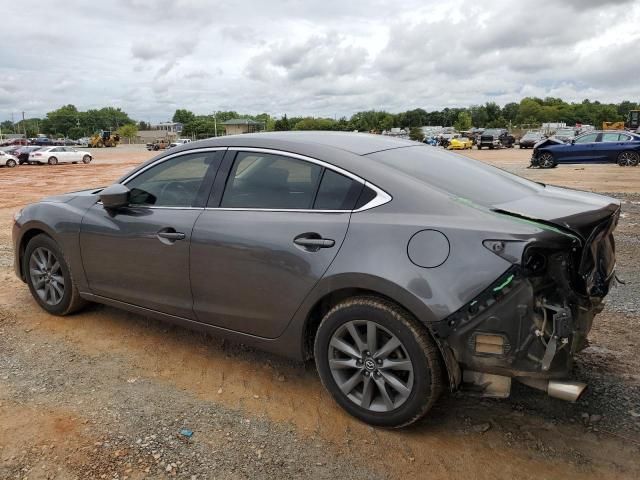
(547, 142)
(67, 197)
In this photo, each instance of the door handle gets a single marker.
(169, 235)
(313, 242)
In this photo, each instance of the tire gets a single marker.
(546, 160)
(479, 147)
(11, 163)
(86, 159)
(628, 159)
(399, 393)
(52, 161)
(44, 266)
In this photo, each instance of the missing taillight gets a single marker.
(535, 263)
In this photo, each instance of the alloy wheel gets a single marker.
(628, 159)
(46, 276)
(370, 365)
(546, 160)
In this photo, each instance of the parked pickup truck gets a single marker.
(496, 138)
(159, 144)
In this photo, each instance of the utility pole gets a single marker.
(24, 126)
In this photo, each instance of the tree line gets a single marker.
(68, 121)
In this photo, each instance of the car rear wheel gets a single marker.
(11, 163)
(52, 161)
(628, 159)
(49, 277)
(546, 160)
(378, 362)
(86, 159)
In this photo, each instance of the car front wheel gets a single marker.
(378, 362)
(11, 163)
(86, 159)
(52, 161)
(49, 277)
(545, 160)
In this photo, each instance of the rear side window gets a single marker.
(612, 137)
(337, 192)
(261, 180)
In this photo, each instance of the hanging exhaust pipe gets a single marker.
(567, 390)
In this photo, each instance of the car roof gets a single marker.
(355, 143)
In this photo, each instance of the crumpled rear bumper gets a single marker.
(508, 329)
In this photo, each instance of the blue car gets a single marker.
(610, 146)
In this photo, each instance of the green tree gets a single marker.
(282, 124)
(493, 111)
(529, 111)
(7, 126)
(59, 122)
(30, 125)
(310, 123)
(268, 122)
(463, 122)
(479, 116)
(510, 111)
(183, 116)
(128, 131)
(415, 133)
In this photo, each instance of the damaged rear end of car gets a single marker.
(531, 321)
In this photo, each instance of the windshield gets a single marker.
(531, 136)
(565, 132)
(460, 176)
(492, 131)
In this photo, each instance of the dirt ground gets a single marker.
(105, 393)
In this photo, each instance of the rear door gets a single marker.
(140, 254)
(274, 224)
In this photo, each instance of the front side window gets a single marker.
(172, 183)
(587, 138)
(261, 180)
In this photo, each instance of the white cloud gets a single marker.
(313, 57)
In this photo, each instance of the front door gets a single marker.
(267, 241)
(140, 254)
(584, 148)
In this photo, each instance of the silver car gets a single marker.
(400, 268)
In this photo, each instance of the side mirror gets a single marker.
(115, 196)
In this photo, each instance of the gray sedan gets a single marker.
(403, 270)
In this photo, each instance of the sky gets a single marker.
(306, 57)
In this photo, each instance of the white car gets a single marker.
(180, 141)
(7, 160)
(55, 155)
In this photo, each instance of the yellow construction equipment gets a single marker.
(613, 125)
(104, 138)
(633, 120)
